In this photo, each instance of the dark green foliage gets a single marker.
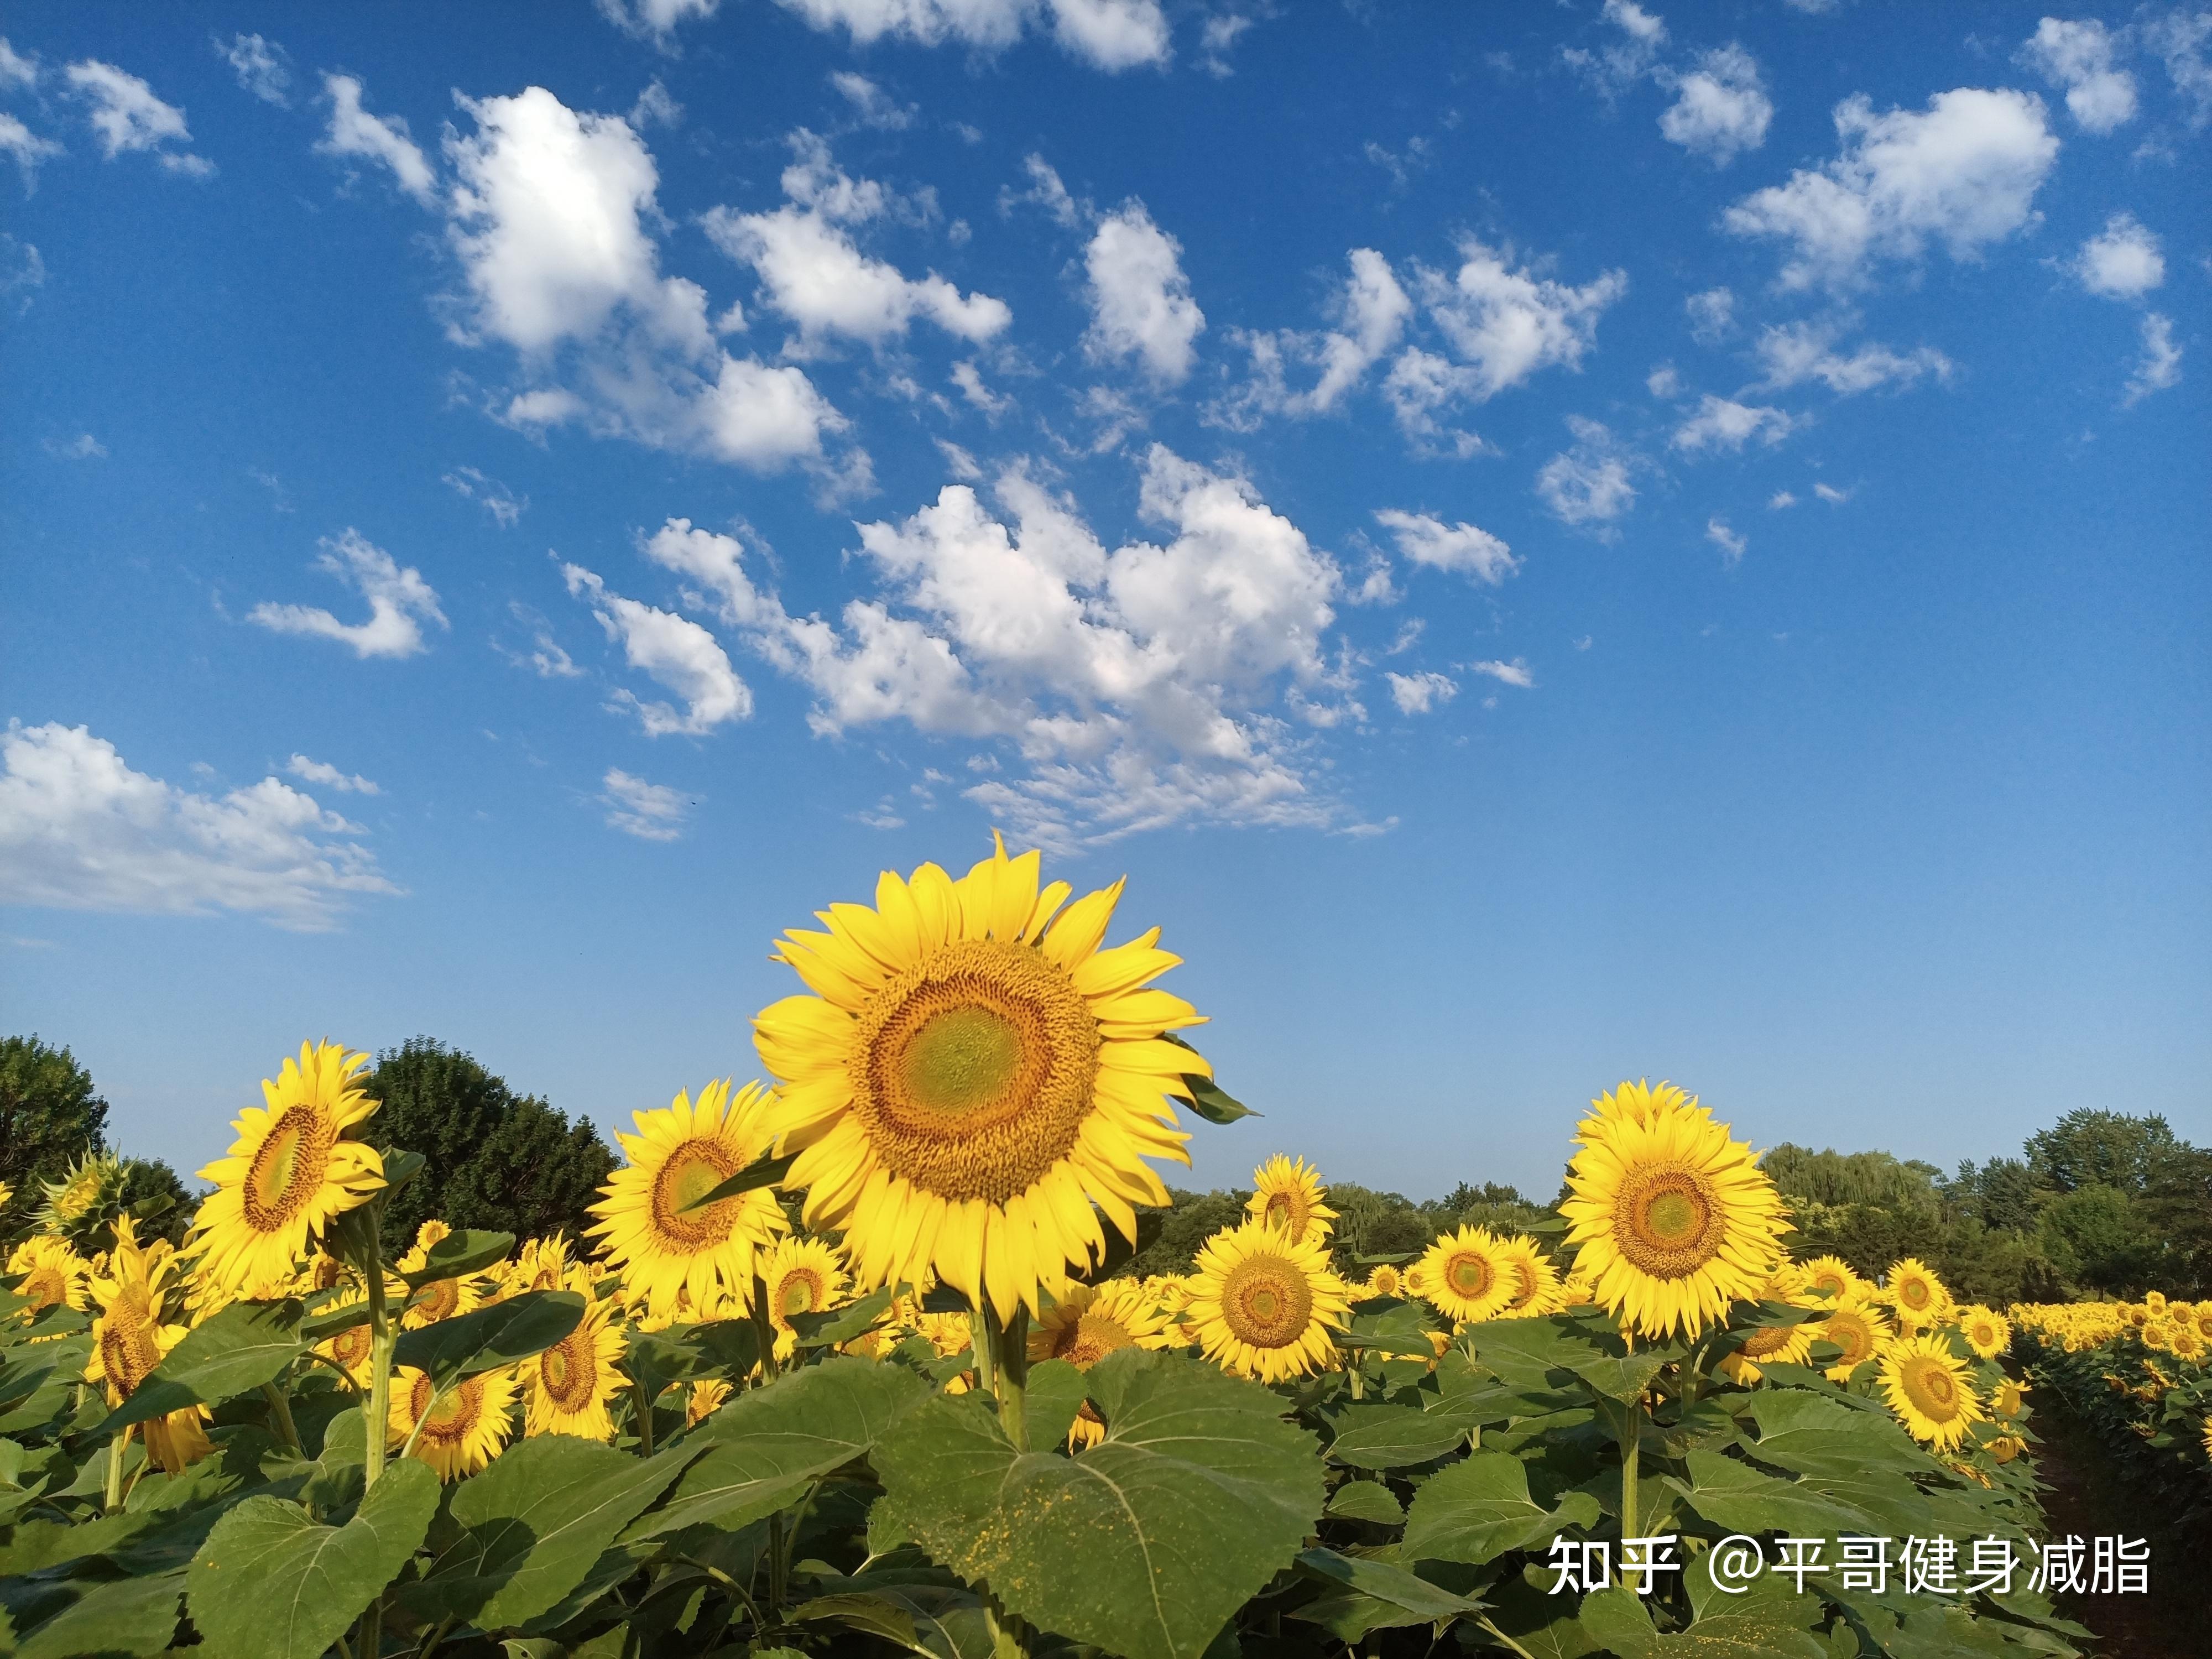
(495, 1159)
(50, 1115)
(2087, 1148)
(1194, 1219)
(1368, 1223)
(160, 1199)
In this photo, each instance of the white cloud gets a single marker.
(1663, 381)
(1506, 323)
(1111, 34)
(355, 132)
(654, 20)
(1720, 108)
(812, 272)
(1220, 34)
(1046, 190)
(18, 70)
(83, 448)
(322, 772)
(1830, 494)
(1779, 500)
(21, 272)
(675, 652)
(1515, 673)
(1722, 424)
(970, 379)
(1108, 34)
(1712, 315)
(872, 105)
(1140, 301)
(1623, 61)
(399, 602)
(546, 659)
(1963, 172)
(1371, 313)
(80, 830)
(1421, 693)
(504, 506)
(651, 811)
(1420, 386)
(2121, 262)
(26, 148)
(655, 107)
(2078, 57)
(2160, 367)
(1588, 483)
(128, 117)
(2179, 38)
(1731, 544)
(1462, 547)
(260, 66)
(1794, 353)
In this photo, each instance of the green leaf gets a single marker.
(454, 1349)
(458, 1255)
(533, 1524)
(1739, 1499)
(1121, 1251)
(1523, 1353)
(1813, 1434)
(321, 1327)
(762, 1172)
(245, 1344)
(270, 1583)
(1367, 1500)
(400, 1167)
(135, 1616)
(1393, 1327)
(936, 1621)
(1621, 1379)
(1544, 1627)
(766, 1446)
(827, 1329)
(1394, 1437)
(1056, 1397)
(1198, 1494)
(1476, 1510)
(1369, 1594)
(1206, 1098)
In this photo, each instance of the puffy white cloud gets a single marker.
(1140, 301)
(1723, 423)
(261, 66)
(1111, 34)
(2159, 366)
(380, 138)
(26, 148)
(1421, 693)
(1721, 108)
(504, 506)
(322, 772)
(1794, 353)
(1420, 386)
(1462, 547)
(128, 116)
(2078, 57)
(546, 659)
(651, 811)
(1504, 324)
(1964, 173)
(80, 830)
(1216, 40)
(812, 273)
(675, 652)
(1731, 544)
(654, 20)
(1712, 315)
(872, 105)
(1371, 313)
(1663, 381)
(1108, 34)
(1588, 483)
(1779, 500)
(655, 107)
(1515, 672)
(399, 602)
(2122, 261)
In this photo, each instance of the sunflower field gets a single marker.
(846, 1363)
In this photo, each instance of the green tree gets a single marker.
(49, 1115)
(2092, 1148)
(2098, 1238)
(494, 1158)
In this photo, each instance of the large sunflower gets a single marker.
(442, 1298)
(1927, 1386)
(52, 1273)
(803, 1276)
(462, 1430)
(973, 1074)
(566, 1388)
(1641, 1102)
(1986, 1331)
(1832, 1276)
(1263, 1305)
(1290, 1195)
(1773, 1345)
(1673, 1219)
(130, 1336)
(292, 1171)
(1917, 1294)
(1859, 1327)
(1089, 1323)
(1531, 1278)
(706, 1257)
(1465, 1276)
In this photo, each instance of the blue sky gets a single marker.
(1551, 544)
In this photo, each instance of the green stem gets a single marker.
(1631, 1447)
(981, 1327)
(764, 1330)
(1010, 1343)
(1501, 1637)
(436, 1636)
(280, 1409)
(642, 1392)
(376, 1408)
(116, 1448)
(779, 1565)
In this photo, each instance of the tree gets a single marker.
(50, 1115)
(493, 1158)
(2091, 1148)
(2099, 1240)
(1194, 1219)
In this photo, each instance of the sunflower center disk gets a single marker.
(972, 1073)
(1469, 1276)
(1670, 1221)
(567, 1370)
(1767, 1340)
(1932, 1388)
(693, 1170)
(1089, 1340)
(1287, 1214)
(286, 1170)
(451, 1416)
(44, 1288)
(439, 1298)
(1265, 1302)
(799, 1293)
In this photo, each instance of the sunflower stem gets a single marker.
(280, 1409)
(764, 1330)
(1631, 1447)
(981, 1329)
(116, 1448)
(376, 1409)
(1011, 1344)
(644, 1395)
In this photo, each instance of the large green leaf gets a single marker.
(834, 1325)
(1394, 1437)
(1542, 1626)
(1056, 1391)
(245, 1344)
(765, 1447)
(135, 1616)
(533, 1524)
(1814, 1434)
(1762, 1629)
(1476, 1510)
(1198, 1494)
(458, 1255)
(270, 1583)
(762, 1172)
(453, 1349)
(1367, 1595)
(1739, 1499)
(1367, 1500)
(1523, 1353)
(936, 1621)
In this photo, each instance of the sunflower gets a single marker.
(2208, 1437)
(1860, 1328)
(1928, 1388)
(291, 1172)
(1290, 1195)
(442, 1298)
(1832, 1276)
(2185, 1343)
(460, 1430)
(1986, 1331)
(705, 1399)
(1773, 1345)
(803, 1276)
(1675, 1219)
(2006, 1447)
(130, 1338)
(708, 1256)
(1089, 1323)
(541, 1264)
(1639, 1102)
(1917, 1294)
(350, 1349)
(566, 1388)
(2008, 1397)
(974, 1074)
(2155, 1301)
(1263, 1305)
(1385, 1280)
(52, 1273)
(1465, 1276)
(1532, 1280)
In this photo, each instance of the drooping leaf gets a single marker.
(1207, 1098)
(1364, 1594)
(1620, 1378)
(1367, 1500)
(1198, 1494)
(834, 1325)
(1524, 1352)
(458, 1255)
(454, 1349)
(1813, 1434)
(1475, 1510)
(1390, 1326)
(135, 1616)
(1395, 1437)
(941, 1621)
(762, 1172)
(241, 1348)
(270, 1583)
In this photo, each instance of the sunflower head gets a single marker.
(1986, 1332)
(2008, 1396)
(803, 1276)
(53, 1275)
(1674, 1219)
(461, 1429)
(1288, 1194)
(1771, 1344)
(1090, 1322)
(541, 1264)
(973, 1081)
(442, 1298)
(566, 1388)
(1917, 1294)
(1532, 1279)
(294, 1169)
(352, 1349)
(704, 1400)
(1857, 1326)
(1832, 1276)
(1465, 1276)
(1265, 1306)
(1385, 1280)
(80, 1206)
(1927, 1386)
